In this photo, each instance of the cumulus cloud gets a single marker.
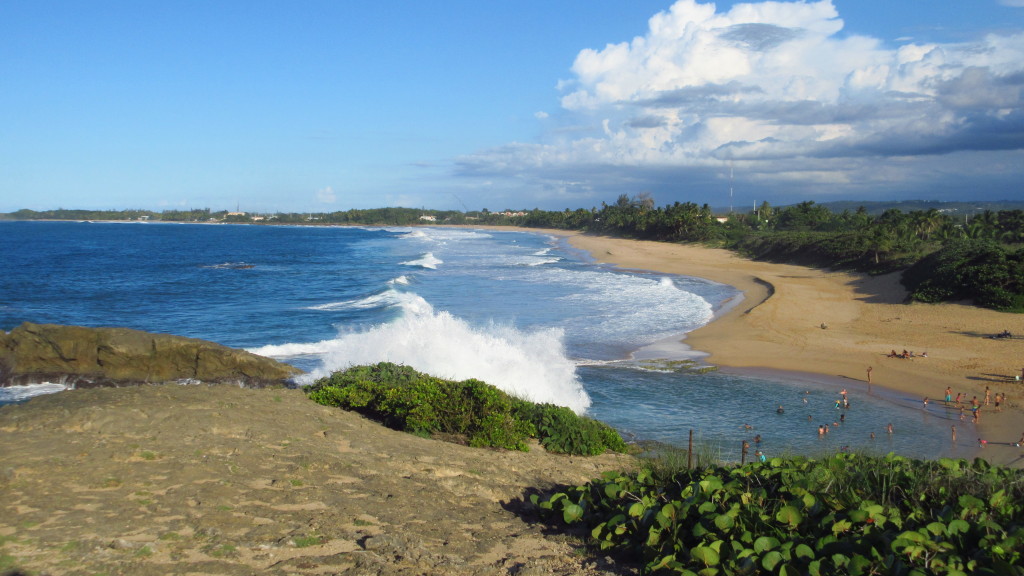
(325, 195)
(781, 92)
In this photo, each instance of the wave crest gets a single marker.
(529, 365)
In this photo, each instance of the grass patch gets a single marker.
(221, 551)
(307, 541)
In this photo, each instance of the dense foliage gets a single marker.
(967, 268)
(404, 399)
(989, 244)
(846, 514)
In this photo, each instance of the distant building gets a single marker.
(428, 218)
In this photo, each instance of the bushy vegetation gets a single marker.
(989, 244)
(845, 514)
(404, 399)
(968, 268)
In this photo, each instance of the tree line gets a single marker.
(943, 258)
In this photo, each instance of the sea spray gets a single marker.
(529, 365)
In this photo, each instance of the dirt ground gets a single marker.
(220, 480)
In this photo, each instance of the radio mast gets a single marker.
(730, 186)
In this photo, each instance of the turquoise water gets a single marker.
(523, 311)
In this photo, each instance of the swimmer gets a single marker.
(925, 402)
(842, 418)
(872, 435)
(757, 439)
(888, 428)
(954, 433)
(780, 409)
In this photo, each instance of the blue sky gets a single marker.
(324, 105)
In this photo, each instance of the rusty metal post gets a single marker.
(689, 453)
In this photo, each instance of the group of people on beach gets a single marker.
(975, 405)
(906, 354)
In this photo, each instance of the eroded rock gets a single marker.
(88, 357)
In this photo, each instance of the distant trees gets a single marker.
(980, 258)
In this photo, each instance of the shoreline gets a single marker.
(830, 326)
(833, 325)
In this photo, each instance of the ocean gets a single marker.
(523, 311)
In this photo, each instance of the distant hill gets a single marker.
(951, 208)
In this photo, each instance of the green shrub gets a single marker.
(846, 514)
(404, 399)
(980, 270)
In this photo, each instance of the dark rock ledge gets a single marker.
(81, 357)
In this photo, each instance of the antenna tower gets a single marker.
(730, 186)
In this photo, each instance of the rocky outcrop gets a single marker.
(88, 357)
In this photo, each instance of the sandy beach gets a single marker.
(838, 324)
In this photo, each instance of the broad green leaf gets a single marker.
(803, 551)
(841, 526)
(998, 500)
(789, 515)
(710, 483)
(669, 511)
(724, 522)
(958, 526)
(771, 560)
(571, 513)
(706, 554)
(859, 565)
(637, 509)
(765, 543)
(663, 563)
(612, 490)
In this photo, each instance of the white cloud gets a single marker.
(775, 88)
(325, 195)
(1012, 3)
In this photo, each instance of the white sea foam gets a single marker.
(428, 260)
(530, 365)
(402, 280)
(379, 300)
(10, 394)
